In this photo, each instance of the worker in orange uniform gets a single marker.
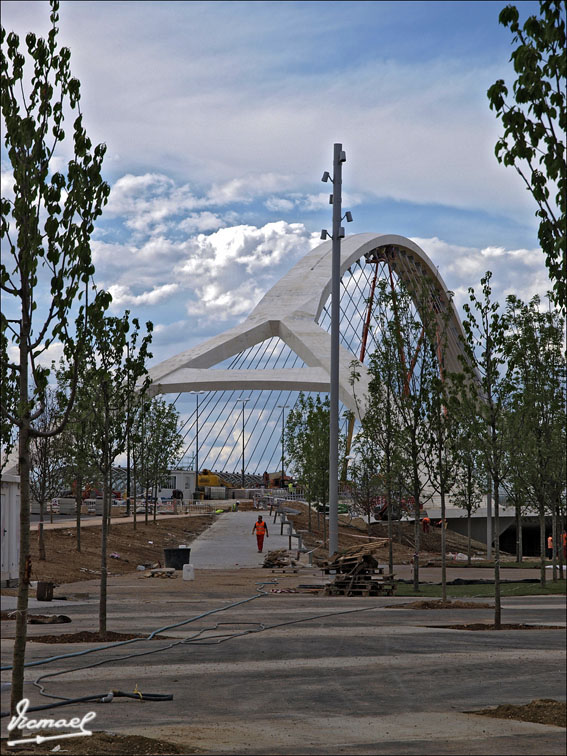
(564, 541)
(261, 530)
(550, 546)
(425, 524)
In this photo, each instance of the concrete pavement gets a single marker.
(229, 542)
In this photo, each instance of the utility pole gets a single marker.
(243, 443)
(339, 157)
(283, 408)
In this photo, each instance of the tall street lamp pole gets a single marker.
(339, 157)
(243, 442)
(283, 408)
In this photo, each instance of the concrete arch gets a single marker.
(290, 311)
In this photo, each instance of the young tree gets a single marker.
(378, 441)
(470, 478)
(444, 460)
(307, 447)
(537, 370)
(535, 124)
(404, 361)
(45, 230)
(75, 444)
(163, 444)
(365, 485)
(46, 464)
(106, 376)
(485, 364)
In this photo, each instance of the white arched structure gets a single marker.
(290, 311)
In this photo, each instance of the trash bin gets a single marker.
(176, 558)
(44, 591)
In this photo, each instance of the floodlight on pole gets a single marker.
(339, 157)
(283, 408)
(243, 443)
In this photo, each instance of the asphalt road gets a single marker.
(299, 674)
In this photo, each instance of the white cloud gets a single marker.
(7, 185)
(231, 268)
(515, 271)
(279, 204)
(121, 295)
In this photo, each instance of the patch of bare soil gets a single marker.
(103, 743)
(356, 531)
(145, 545)
(349, 535)
(87, 636)
(441, 605)
(489, 626)
(542, 711)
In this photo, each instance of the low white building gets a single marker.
(180, 480)
(10, 516)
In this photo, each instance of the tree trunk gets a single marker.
(390, 535)
(24, 572)
(519, 545)
(79, 502)
(103, 549)
(134, 487)
(416, 546)
(469, 536)
(560, 547)
(541, 511)
(554, 537)
(40, 538)
(443, 549)
(497, 602)
(110, 500)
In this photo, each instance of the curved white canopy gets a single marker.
(290, 311)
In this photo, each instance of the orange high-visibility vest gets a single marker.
(260, 528)
(550, 542)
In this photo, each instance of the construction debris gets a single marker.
(48, 619)
(358, 573)
(160, 572)
(279, 558)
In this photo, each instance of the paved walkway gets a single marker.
(229, 542)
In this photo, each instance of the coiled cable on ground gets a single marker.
(194, 639)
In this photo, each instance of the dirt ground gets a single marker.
(543, 711)
(145, 545)
(103, 743)
(356, 532)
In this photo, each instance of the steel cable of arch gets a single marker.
(205, 404)
(296, 357)
(277, 444)
(239, 360)
(288, 355)
(270, 437)
(268, 343)
(273, 411)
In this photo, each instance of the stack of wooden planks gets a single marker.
(358, 573)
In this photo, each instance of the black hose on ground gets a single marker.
(101, 698)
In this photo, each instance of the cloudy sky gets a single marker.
(220, 117)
